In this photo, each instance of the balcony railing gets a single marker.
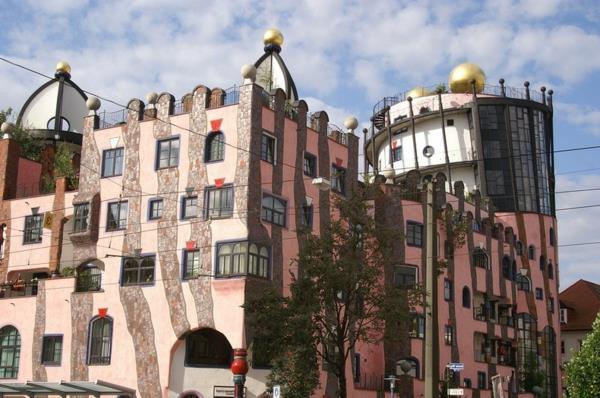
(88, 283)
(19, 289)
(369, 381)
(111, 119)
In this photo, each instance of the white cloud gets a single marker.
(585, 116)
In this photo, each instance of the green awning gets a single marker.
(64, 389)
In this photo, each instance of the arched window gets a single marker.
(64, 124)
(542, 263)
(89, 278)
(480, 258)
(207, 347)
(466, 297)
(519, 248)
(551, 237)
(506, 267)
(523, 283)
(215, 147)
(10, 350)
(408, 366)
(531, 251)
(550, 271)
(100, 341)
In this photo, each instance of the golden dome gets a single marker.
(63, 67)
(417, 92)
(461, 76)
(273, 36)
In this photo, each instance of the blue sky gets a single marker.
(344, 56)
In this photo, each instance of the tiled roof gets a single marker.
(583, 302)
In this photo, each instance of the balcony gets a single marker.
(88, 283)
(19, 289)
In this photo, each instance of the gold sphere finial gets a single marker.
(461, 76)
(63, 67)
(273, 36)
(417, 92)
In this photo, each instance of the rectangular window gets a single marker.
(33, 229)
(405, 276)
(539, 293)
(481, 380)
(138, 270)
(448, 290)
(563, 315)
(397, 154)
(449, 334)
(155, 209)
(467, 383)
(112, 162)
(81, 217)
(338, 179)
(189, 207)
(356, 367)
(191, 264)
(117, 216)
(449, 122)
(267, 148)
(307, 216)
(310, 164)
(414, 234)
(551, 304)
(562, 346)
(273, 210)
(167, 153)
(242, 258)
(218, 202)
(51, 350)
(417, 329)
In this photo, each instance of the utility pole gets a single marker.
(431, 330)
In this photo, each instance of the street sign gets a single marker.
(456, 391)
(276, 391)
(456, 366)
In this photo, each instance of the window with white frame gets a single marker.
(81, 217)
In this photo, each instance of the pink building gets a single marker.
(133, 271)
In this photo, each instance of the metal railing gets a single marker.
(178, 107)
(19, 289)
(111, 119)
(369, 381)
(231, 96)
(88, 282)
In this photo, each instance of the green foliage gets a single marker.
(31, 147)
(441, 88)
(533, 375)
(583, 370)
(456, 226)
(67, 271)
(63, 165)
(336, 299)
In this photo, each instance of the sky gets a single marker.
(344, 56)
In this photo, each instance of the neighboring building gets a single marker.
(184, 209)
(579, 306)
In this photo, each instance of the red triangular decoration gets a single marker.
(339, 162)
(219, 182)
(215, 125)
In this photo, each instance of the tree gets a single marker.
(337, 298)
(31, 147)
(583, 370)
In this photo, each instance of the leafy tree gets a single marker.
(337, 298)
(31, 147)
(583, 370)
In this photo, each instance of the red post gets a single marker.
(239, 368)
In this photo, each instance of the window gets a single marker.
(310, 165)
(167, 153)
(405, 276)
(338, 179)
(449, 248)
(481, 380)
(189, 207)
(466, 297)
(449, 122)
(467, 383)
(100, 341)
(218, 202)
(273, 210)
(307, 216)
(89, 278)
(551, 237)
(117, 216)
(207, 347)
(81, 217)
(562, 346)
(417, 329)
(155, 209)
(428, 151)
(112, 162)
(138, 270)
(414, 234)
(33, 229)
(411, 370)
(267, 148)
(191, 264)
(563, 315)
(397, 154)
(531, 252)
(356, 367)
(480, 258)
(523, 283)
(551, 304)
(550, 271)
(542, 263)
(519, 248)
(215, 147)
(51, 350)
(10, 352)
(506, 267)
(539, 293)
(242, 258)
(449, 334)
(448, 290)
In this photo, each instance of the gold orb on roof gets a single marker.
(417, 92)
(273, 36)
(63, 67)
(461, 76)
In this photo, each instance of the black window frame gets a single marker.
(338, 179)
(173, 161)
(401, 278)
(466, 297)
(448, 290)
(155, 214)
(51, 355)
(116, 155)
(268, 148)
(254, 259)
(307, 215)
(185, 266)
(397, 153)
(214, 149)
(81, 217)
(13, 344)
(120, 223)
(309, 164)
(523, 283)
(414, 233)
(482, 383)
(539, 293)
(226, 194)
(480, 258)
(187, 206)
(97, 354)
(33, 230)
(139, 269)
(417, 325)
(270, 214)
